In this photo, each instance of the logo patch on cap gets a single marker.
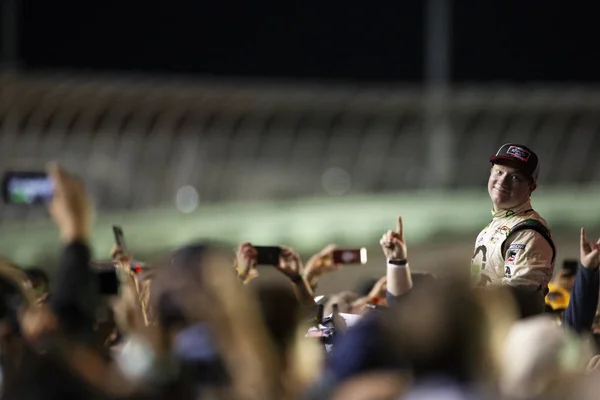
(518, 152)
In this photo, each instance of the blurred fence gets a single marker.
(136, 141)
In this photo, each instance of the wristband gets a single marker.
(397, 262)
(297, 278)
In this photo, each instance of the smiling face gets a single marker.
(508, 187)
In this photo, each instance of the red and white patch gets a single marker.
(518, 152)
(512, 258)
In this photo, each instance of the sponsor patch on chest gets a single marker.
(500, 233)
(504, 230)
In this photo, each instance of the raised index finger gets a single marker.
(583, 239)
(399, 228)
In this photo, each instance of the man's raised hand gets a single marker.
(393, 243)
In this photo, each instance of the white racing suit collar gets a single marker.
(509, 212)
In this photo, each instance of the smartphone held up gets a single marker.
(267, 255)
(137, 267)
(27, 188)
(119, 238)
(350, 256)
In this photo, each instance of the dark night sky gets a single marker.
(508, 40)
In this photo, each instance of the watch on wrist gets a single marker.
(398, 261)
(297, 278)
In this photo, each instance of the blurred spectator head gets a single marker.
(39, 281)
(541, 358)
(565, 278)
(441, 330)
(281, 311)
(199, 305)
(373, 385)
(182, 288)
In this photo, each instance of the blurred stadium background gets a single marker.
(174, 159)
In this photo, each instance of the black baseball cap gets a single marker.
(520, 156)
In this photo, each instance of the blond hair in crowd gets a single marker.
(208, 292)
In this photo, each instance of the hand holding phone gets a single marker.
(136, 266)
(27, 188)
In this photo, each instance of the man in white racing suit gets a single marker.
(516, 247)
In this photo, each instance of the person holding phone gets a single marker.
(71, 313)
(283, 259)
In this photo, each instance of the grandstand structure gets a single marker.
(136, 140)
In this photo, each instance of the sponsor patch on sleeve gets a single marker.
(516, 246)
(512, 256)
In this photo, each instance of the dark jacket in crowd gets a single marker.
(581, 311)
(75, 296)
